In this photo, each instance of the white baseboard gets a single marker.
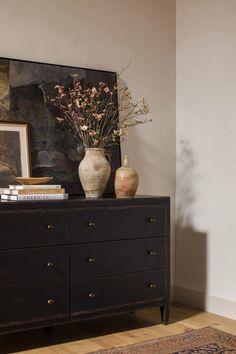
(200, 300)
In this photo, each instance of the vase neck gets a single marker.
(126, 161)
(94, 150)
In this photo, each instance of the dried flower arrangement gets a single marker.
(92, 115)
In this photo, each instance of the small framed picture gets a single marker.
(14, 152)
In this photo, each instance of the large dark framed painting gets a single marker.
(54, 152)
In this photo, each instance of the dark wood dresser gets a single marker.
(64, 261)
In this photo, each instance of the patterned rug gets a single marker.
(206, 340)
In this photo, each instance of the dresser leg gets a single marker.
(165, 310)
(48, 329)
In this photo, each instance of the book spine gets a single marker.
(34, 186)
(33, 191)
(39, 197)
(5, 197)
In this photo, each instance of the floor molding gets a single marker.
(205, 302)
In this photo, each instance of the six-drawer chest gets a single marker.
(64, 261)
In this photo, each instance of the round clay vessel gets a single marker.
(126, 180)
(94, 172)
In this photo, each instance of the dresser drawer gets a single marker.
(36, 227)
(104, 258)
(119, 290)
(30, 304)
(101, 224)
(31, 266)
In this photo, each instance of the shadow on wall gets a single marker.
(191, 245)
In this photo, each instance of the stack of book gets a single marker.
(33, 192)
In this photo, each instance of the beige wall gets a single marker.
(206, 154)
(107, 34)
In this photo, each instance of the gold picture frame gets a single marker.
(14, 152)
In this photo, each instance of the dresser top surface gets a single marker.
(80, 202)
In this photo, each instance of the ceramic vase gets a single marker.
(94, 172)
(126, 180)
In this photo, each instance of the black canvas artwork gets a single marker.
(54, 152)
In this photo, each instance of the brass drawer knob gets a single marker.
(50, 265)
(152, 220)
(91, 259)
(91, 224)
(50, 227)
(152, 285)
(152, 253)
(91, 295)
(50, 301)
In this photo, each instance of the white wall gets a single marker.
(206, 154)
(106, 34)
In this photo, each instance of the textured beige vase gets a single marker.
(126, 180)
(94, 172)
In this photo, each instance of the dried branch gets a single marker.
(97, 116)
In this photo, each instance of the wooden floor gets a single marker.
(113, 331)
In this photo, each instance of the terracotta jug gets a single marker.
(126, 180)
